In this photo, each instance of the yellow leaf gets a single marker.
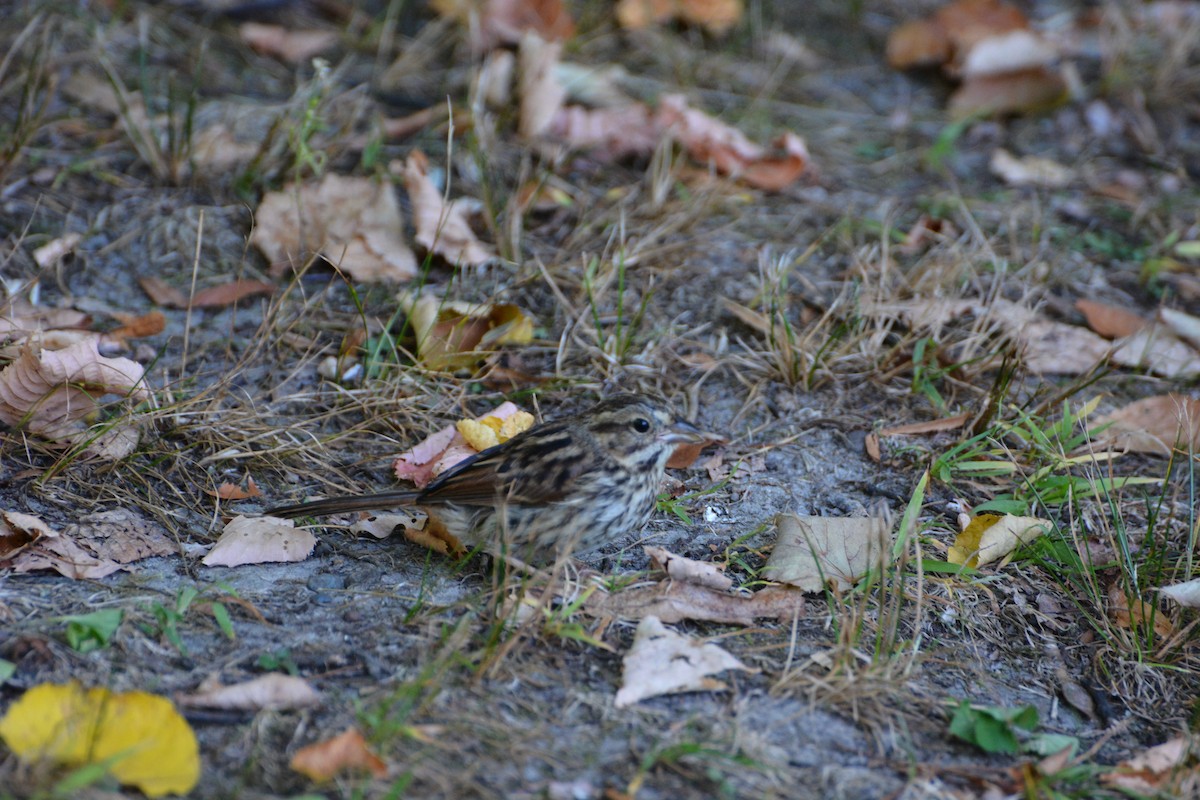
(479, 435)
(148, 744)
(991, 536)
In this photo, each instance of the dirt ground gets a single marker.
(413, 648)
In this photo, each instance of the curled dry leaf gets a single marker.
(675, 601)
(346, 752)
(50, 392)
(354, 223)
(812, 551)
(445, 448)
(442, 227)
(274, 691)
(1156, 772)
(989, 537)
(453, 335)
(688, 570)
(1156, 425)
(231, 491)
(662, 661)
(255, 540)
(295, 47)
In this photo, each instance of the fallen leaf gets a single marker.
(715, 16)
(1029, 91)
(812, 551)
(496, 22)
(608, 133)
(50, 392)
(989, 537)
(675, 601)
(272, 691)
(1007, 52)
(1128, 612)
(346, 752)
(42, 547)
(20, 318)
(1186, 594)
(1184, 326)
(255, 540)
(442, 227)
(933, 426)
(138, 738)
(227, 294)
(453, 335)
(137, 327)
(1112, 322)
(121, 535)
(542, 95)
(55, 250)
(1029, 171)
(1154, 772)
(162, 293)
(662, 661)
(353, 223)
(688, 570)
(231, 491)
(295, 47)
(383, 524)
(1157, 425)
(442, 450)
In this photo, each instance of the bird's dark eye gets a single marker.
(641, 424)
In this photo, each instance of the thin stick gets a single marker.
(187, 320)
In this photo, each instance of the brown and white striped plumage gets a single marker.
(567, 486)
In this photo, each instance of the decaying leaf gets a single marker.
(1157, 425)
(274, 691)
(445, 448)
(1156, 772)
(295, 47)
(989, 537)
(662, 661)
(231, 491)
(49, 392)
(715, 16)
(346, 752)
(1134, 612)
(120, 535)
(138, 738)
(812, 551)
(353, 223)
(98, 545)
(1112, 322)
(675, 601)
(256, 540)
(495, 22)
(442, 227)
(136, 327)
(688, 570)
(453, 335)
(1187, 594)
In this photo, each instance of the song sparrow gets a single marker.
(567, 486)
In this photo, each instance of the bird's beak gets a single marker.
(682, 432)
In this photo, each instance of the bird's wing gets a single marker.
(533, 469)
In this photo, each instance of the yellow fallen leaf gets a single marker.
(991, 536)
(479, 435)
(141, 737)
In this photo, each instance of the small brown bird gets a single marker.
(567, 486)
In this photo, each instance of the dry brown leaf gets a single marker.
(121, 535)
(45, 548)
(346, 752)
(442, 228)
(933, 426)
(1184, 326)
(1155, 772)
(255, 540)
(54, 251)
(1006, 53)
(1127, 614)
(497, 22)
(679, 568)
(133, 327)
(812, 551)
(871, 446)
(354, 223)
(162, 293)
(715, 16)
(1156, 425)
(231, 491)
(542, 95)
(295, 47)
(19, 317)
(229, 293)
(1187, 594)
(989, 537)
(50, 392)
(662, 661)
(608, 133)
(710, 141)
(1028, 91)
(1112, 322)
(673, 601)
(273, 691)
(1029, 171)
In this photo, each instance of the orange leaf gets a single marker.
(346, 751)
